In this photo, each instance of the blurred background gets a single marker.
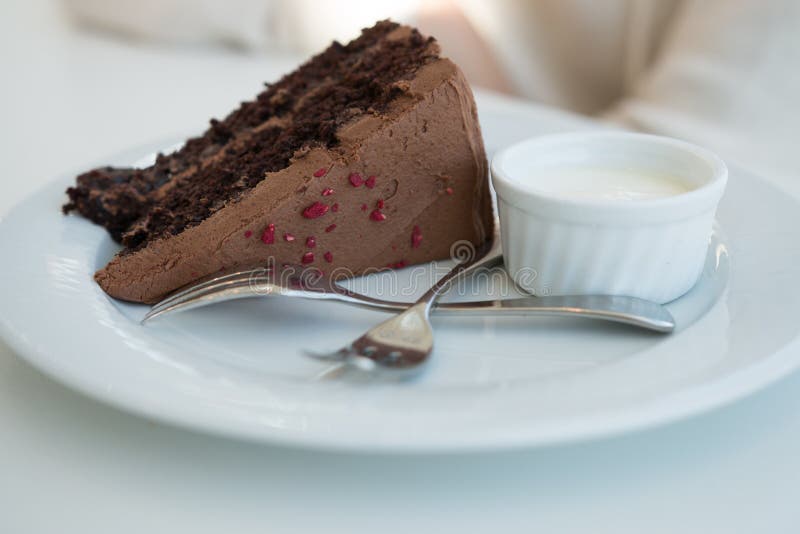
(721, 73)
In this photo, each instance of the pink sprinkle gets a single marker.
(288, 237)
(248, 234)
(370, 182)
(328, 257)
(380, 203)
(355, 179)
(416, 237)
(396, 265)
(330, 228)
(268, 237)
(311, 242)
(363, 207)
(307, 258)
(335, 207)
(377, 215)
(327, 192)
(449, 190)
(322, 171)
(317, 209)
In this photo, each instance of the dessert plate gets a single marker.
(236, 368)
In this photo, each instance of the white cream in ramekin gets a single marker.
(609, 213)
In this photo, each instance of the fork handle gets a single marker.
(487, 256)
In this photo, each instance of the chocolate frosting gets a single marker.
(430, 190)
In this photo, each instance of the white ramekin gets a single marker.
(652, 249)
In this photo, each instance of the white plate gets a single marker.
(235, 369)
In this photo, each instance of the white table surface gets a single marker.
(70, 464)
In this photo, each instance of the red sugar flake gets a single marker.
(363, 207)
(355, 179)
(268, 236)
(248, 234)
(370, 182)
(416, 237)
(380, 203)
(330, 228)
(288, 237)
(307, 258)
(335, 207)
(311, 241)
(449, 190)
(317, 209)
(377, 215)
(328, 191)
(328, 257)
(322, 171)
(396, 265)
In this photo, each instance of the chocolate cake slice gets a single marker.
(367, 156)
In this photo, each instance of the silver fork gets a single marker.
(403, 343)
(258, 282)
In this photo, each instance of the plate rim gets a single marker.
(669, 409)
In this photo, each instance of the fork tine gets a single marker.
(345, 356)
(196, 286)
(338, 356)
(201, 296)
(213, 282)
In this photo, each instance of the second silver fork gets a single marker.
(401, 345)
